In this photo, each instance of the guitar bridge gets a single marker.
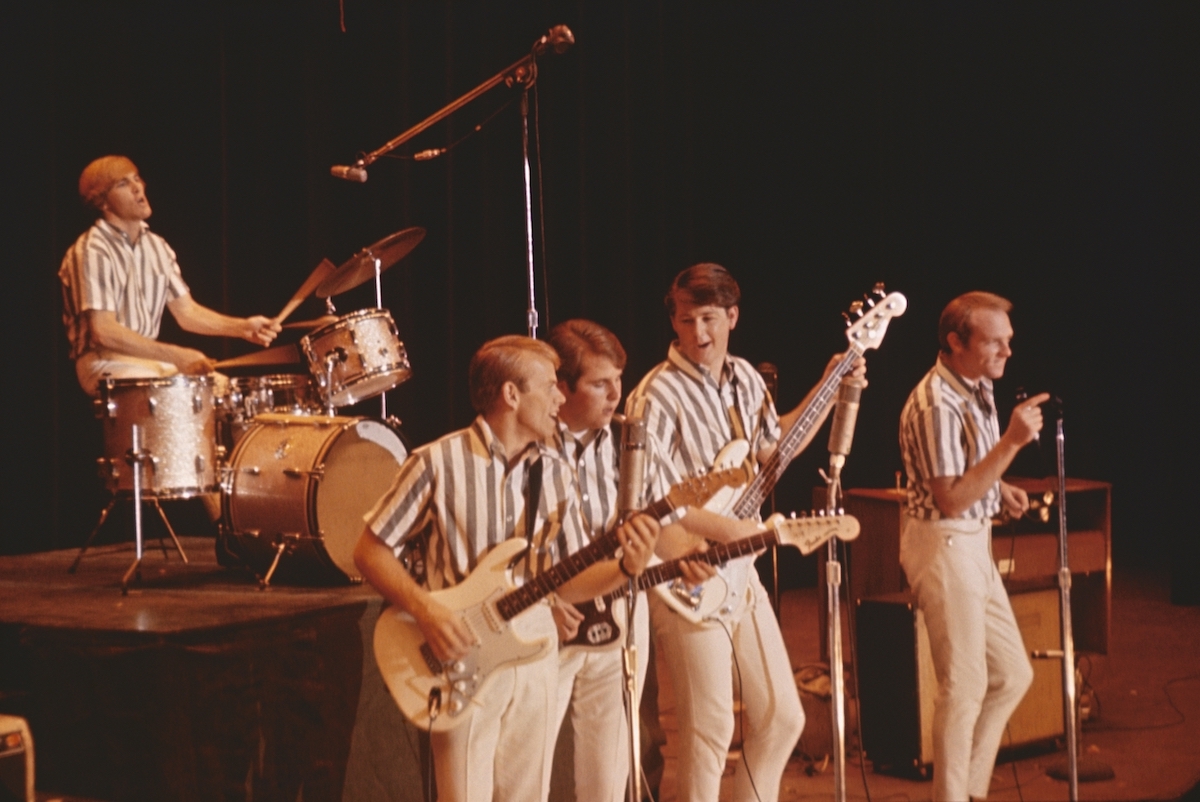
(692, 597)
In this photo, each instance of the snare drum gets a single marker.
(306, 481)
(356, 357)
(250, 396)
(176, 417)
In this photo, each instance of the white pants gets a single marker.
(503, 752)
(91, 367)
(591, 684)
(703, 663)
(979, 658)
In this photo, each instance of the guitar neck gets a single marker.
(545, 583)
(752, 497)
(673, 569)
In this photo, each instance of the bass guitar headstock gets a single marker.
(868, 319)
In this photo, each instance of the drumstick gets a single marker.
(318, 275)
(279, 355)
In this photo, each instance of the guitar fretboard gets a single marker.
(751, 500)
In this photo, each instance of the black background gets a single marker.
(1044, 152)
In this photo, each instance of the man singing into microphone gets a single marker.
(696, 402)
(954, 456)
(117, 279)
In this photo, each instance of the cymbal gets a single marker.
(315, 323)
(279, 355)
(361, 266)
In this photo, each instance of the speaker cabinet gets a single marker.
(16, 760)
(897, 687)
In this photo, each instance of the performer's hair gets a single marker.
(575, 339)
(705, 284)
(503, 360)
(98, 178)
(956, 317)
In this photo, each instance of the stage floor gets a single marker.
(198, 685)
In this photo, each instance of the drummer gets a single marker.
(118, 277)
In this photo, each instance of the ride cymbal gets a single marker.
(361, 267)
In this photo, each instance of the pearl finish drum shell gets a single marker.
(307, 481)
(371, 358)
(176, 417)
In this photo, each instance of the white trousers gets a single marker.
(91, 367)
(503, 752)
(704, 662)
(979, 658)
(591, 685)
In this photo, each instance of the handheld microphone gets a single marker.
(631, 477)
(841, 433)
(349, 173)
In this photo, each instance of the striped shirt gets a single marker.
(460, 495)
(594, 457)
(945, 428)
(105, 272)
(687, 410)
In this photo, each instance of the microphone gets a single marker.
(841, 433)
(631, 477)
(352, 173)
(558, 39)
(426, 155)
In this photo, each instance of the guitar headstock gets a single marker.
(810, 532)
(699, 489)
(868, 319)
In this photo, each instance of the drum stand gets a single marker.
(135, 457)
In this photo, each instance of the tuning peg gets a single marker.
(856, 308)
(879, 290)
(869, 301)
(846, 317)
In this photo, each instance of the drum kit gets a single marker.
(294, 477)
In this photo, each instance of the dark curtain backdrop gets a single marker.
(1039, 151)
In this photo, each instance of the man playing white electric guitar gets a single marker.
(696, 402)
(465, 495)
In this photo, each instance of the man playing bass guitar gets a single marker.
(697, 401)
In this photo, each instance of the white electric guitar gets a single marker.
(717, 598)
(439, 696)
(602, 626)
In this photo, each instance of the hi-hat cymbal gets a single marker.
(361, 266)
(279, 355)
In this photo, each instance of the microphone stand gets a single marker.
(629, 495)
(833, 582)
(1071, 773)
(523, 73)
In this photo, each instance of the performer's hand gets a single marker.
(859, 371)
(696, 572)
(261, 330)
(566, 618)
(1026, 420)
(1014, 499)
(638, 537)
(193, 363)
(444, 631)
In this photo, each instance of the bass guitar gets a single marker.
(602, 628)
(715, 598)
(439, 696)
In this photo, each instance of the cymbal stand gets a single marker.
(531, 314)
(379, 305)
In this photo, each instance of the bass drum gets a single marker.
(301, 484)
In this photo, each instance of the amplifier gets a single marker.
(16, 760)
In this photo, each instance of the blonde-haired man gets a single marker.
(119, 276)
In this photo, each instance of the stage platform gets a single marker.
(197, 685)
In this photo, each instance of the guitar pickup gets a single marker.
(431, 661)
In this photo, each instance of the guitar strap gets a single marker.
(738, 427)
(533, 499)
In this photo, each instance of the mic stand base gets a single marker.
(1090, 770)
